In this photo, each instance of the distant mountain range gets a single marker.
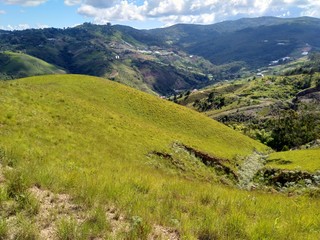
(255, 41)
(172, 59)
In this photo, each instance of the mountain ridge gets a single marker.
(187, 56)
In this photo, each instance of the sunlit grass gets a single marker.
(91, 138)
(308, 160)
(22, 65)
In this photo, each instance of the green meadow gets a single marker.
(307, 160)
(93, 139)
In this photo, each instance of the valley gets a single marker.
(181, 57)
(184, 132)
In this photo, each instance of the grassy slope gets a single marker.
(248, 92)
(262, 92)
(308, 160)
(129, 76)
(90, 137)
(23, 65)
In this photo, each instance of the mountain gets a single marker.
(84, 157)
(256, 41)
(184, 33)
(169, 60)
(108, 51)
(18, 65)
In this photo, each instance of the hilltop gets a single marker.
(134, 164)
(19, 65)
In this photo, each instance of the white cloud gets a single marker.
(101, 3)
(17, 27)
(191, 11)
(196, 19)
(30, 3)
(311, 8)
(2, 12)
(122, 11)
(167, 7)
(23, 26)
(185, 11)
(72, 2)
(42, 26)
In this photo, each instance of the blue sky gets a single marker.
(19, 14)
(51, 13)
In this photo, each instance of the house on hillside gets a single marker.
(260, 74)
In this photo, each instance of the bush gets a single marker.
(294, 129)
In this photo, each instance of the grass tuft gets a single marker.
(67, 229)
(3, 229)
(16, 184)
(25, 229)
(139, 229)
(96, 225)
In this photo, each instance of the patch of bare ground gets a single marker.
(163, 233)
(118, 222)
(53, 208)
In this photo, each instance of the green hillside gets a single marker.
(308, 160)
(280, 111)
(109, 145)
(18, 65)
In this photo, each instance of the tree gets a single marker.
(293, 129)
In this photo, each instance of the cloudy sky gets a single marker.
(19, 14)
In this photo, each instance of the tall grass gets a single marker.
(91, 138)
